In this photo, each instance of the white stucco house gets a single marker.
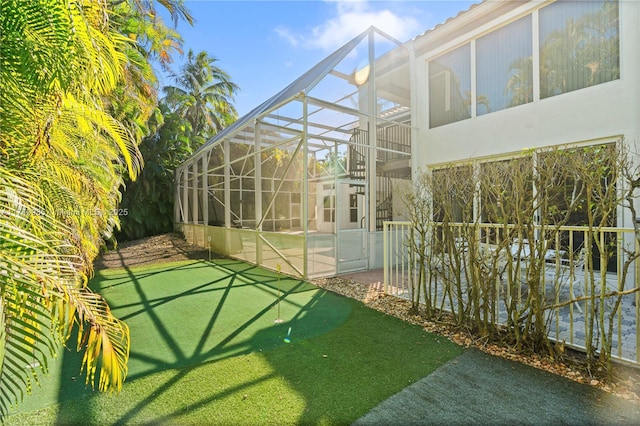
(306, 179)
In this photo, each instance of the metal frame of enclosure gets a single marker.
(304, 182)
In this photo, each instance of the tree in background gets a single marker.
(203, 95)
(200, 105)
(148, 202)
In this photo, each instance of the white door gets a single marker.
(352, 241)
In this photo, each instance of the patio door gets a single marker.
(353, 238)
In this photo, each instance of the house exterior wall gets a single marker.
(598, 113)
(341, 208)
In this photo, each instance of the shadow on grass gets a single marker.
(372, 356)
(339, 375)
(188, 322)
(307, 324)
(342, 360)
(186, 314)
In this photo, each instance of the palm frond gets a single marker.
(43, 292)
(116, 132)
(74, 95)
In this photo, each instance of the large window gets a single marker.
(506, 189)
(578, 185)
(504, 69)
(579, 45)
(565, 178)
(450, 87)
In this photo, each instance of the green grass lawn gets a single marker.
(205, 349)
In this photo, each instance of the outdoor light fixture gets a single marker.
(362, 75)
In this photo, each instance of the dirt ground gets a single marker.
(146, 251)
(173, 247)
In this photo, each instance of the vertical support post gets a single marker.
(227, 184)
(205, 188)
(177, 202)
(413, 90)
(535, 17)
(623, 218)
(336, 206)
(385, 255)
(257, 160)
(473, 99)
(305, 187)
(373, 128)
(194, 192)
(185, 193)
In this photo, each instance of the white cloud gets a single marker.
(286, 34)
(352, 18)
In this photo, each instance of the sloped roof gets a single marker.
(458, 15)
(309, 80)
(304, 83)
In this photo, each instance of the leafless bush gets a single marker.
(486, 235)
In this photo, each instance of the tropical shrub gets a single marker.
(69, 131)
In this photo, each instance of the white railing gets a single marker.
(577, 281)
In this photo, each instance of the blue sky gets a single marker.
(265, 45)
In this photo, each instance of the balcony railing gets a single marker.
(394, 143)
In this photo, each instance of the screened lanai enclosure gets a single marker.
(304, 182)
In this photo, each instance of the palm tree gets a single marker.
(203, 94)
(64, 70)
(176, 8)
(135, 100)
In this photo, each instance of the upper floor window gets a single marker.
(579, 45)
(504, 68)
(450, 87)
